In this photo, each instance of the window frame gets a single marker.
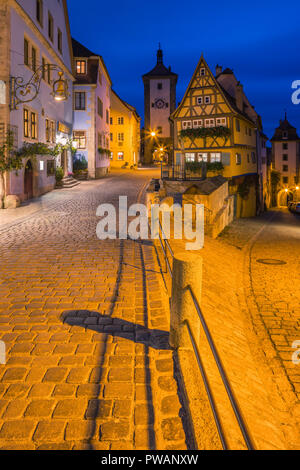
(81, 102)
(50, 27)
(79, 138)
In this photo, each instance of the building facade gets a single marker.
(35, 45)
(92, 95)
(286, 163)
(125, 134)
(160, 101)
(216, 126)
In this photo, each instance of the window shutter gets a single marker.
(226, 159)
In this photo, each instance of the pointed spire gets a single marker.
(159, 54)
(285, 115)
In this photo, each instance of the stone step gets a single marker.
(69, 182)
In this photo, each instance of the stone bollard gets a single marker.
(187, 271)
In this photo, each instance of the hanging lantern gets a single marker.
(60, 88)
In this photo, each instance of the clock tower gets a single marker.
(160, 102)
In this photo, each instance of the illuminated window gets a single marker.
(215, 157)
(190, 157)
(26, 122)
(53, 131)
(221, 122)
(80, 138)
(186, 124)
(48, 137)
(209, 123)
(197, 124)
(202, 157)
(33, 126)
(80, 67)
(120, 156)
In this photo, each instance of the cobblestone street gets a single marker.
(86, 327)
(275, 289)
(271, 248)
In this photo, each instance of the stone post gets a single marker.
(187, 271)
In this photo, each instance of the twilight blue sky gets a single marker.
(260, 40)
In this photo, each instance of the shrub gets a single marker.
(59, 174)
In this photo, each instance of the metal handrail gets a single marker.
(230, 394)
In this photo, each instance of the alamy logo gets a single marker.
(188, 222)
(2, 353)
(296, 94)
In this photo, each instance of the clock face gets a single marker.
(160, 103)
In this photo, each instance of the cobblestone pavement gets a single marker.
(274, 293)
(276, 288)
(86, 326)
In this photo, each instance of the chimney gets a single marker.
(219, 69)
(170, 68)
(239, 96)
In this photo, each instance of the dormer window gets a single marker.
(81, 67)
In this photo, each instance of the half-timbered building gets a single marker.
(216, 126)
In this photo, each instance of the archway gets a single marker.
(284, 197)
(28, 180)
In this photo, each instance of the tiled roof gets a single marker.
(285, 127)
(81, 51)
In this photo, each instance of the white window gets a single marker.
(202, 157)
(187, 125)
(207, 100)
(215, 157)
(120, 156)
(202, 72)
(199, 99)
(221, 122)
(209, 123)
(190, 157)
(197, 124)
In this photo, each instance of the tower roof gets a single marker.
(285, 131)
(160, 70)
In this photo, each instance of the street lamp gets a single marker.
(26, 92)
